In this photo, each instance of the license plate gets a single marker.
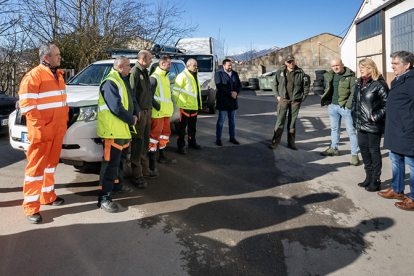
(24, 138)
(5, 122)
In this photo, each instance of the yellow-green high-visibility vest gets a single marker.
(186, 91)
(162, 94)
(110, 126)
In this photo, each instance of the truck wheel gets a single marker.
(212, 109)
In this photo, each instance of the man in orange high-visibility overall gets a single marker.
(42, 98)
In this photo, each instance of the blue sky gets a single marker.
(266, 23)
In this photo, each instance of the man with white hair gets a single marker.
(187, 95)
(118, 113)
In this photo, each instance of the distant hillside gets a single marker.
(252, 54)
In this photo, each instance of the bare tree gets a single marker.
(165, 23)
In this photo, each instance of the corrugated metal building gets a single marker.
(379, 28)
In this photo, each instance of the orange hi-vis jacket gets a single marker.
(43, 100)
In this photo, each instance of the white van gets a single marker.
(209, 54)
(81, 144)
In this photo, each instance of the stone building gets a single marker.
(311, 54)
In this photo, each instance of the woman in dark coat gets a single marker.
(368, 114)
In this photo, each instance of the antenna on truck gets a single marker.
(157, 51)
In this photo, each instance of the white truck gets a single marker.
(209, 54)
(81, 144)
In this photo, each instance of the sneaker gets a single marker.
(58, 201)
(140, 183)
(110, 207)
(354, 160)
(35, 218)
(330, 152)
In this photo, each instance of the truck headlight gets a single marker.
(204, 86)
(88, 113)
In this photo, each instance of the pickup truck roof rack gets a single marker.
(157, 51)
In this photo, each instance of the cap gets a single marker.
(289, 57)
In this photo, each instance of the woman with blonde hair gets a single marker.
(368, 114)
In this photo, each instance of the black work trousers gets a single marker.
(111, 178)
(369, 145)
(187, 118)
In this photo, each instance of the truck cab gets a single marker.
(209, 54)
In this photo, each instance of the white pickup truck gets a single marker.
(81, 144)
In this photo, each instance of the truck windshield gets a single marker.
(92, 75)
(204, 63)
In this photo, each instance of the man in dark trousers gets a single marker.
(228, 88)
(187, 95)
(118, 113)
(141, 88)
(291, 87)
(399, 129)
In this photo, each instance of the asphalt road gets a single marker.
(231, 210)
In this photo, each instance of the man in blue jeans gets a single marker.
(228, 87)
(399, 129)
(338, 94)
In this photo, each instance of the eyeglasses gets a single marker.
(290, 61)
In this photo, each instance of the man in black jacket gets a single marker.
(291, 87)
(228, 87)
(399, 128)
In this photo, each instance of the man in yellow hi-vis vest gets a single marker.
(118, 113)
(162, 109)
(187, 95)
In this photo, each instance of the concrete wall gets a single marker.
(311, 54)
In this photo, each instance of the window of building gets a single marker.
(370, 27)
(402, 32)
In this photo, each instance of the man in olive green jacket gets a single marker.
(338, 95)
(141, 88)
(291, 87)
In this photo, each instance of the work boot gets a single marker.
(374, 185)
(110, 207)
(194, 146)
(354, 160)
(35, 218)
(291, 139)
(366, 181)
(292, 146)
(140, 183)
(273, 146)
(58, 201)
(123, 190)
(277, 136)
(330, 152)
(164, 159)
(182, 151)
(151, 158)
(234, 141)
(152, 174)
(219, 143)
